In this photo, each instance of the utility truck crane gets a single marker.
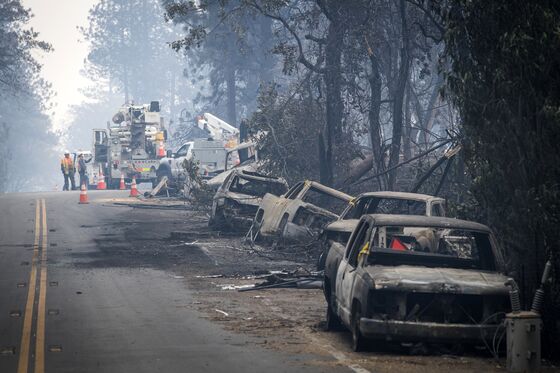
(207, 146)
(132, 145)
(217, 129)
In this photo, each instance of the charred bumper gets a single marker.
(423, 331)
(238, 215)
(238, 221)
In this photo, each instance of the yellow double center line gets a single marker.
(23, 363)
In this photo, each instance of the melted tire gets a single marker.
(358, 341)
(332, 320)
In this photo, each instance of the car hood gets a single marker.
(218, 180)
(342, 225)
(437, 280)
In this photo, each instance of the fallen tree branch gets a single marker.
(403, 163)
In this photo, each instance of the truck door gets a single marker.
(100, 145)
(347, 270)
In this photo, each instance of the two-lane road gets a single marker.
(58, 315)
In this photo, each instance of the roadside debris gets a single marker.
(222, 312)
(151, 206)
(236, 287)
(298, 279)
(160, 187)
(302, 283)
(189, 235)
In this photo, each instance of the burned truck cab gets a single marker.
(412, 278)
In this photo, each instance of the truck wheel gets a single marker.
(282, 225)
(358, 341)
(324, 248)
(163, 170)
(332, 320)
(218, 220)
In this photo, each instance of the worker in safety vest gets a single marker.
(82, 170)
(68, 170)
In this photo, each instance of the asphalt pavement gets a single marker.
(59, 315)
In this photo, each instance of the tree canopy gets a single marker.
(26, 140)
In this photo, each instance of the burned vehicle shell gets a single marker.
(247, 155)
(383, 202)
(235, 203)
(301, 213)
(412, 278)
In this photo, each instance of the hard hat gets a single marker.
(67, 152)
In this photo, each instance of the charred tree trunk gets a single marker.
(407, 143)
(231, 94)
(267, 65)
(399, 99)
(4, 140)
(425, 115)
(374, 110)
(432, 108)
(334, 106)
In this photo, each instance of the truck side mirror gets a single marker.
(169, 153)
(165, 135)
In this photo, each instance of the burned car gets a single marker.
(235, 203)
(242, 157)
(412, 278)
(383, 202)
(300, 214)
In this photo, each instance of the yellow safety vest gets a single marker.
(67, 164)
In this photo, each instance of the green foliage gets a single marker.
(26, 141)
(505, 80)
(18, 66)
(228, 49)
(129, 48)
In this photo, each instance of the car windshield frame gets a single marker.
(386, 255)
(270, 184)
(323, 200)
(367, 200)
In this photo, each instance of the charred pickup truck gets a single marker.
(383, 202)
(300, 214)
(235, 203)
(413, 278)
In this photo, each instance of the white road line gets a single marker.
(338, 355)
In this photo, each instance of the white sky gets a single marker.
(56, 21)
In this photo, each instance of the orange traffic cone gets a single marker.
(133, 190)
(121, 184)
(83, 195)
(101, 182)
(161, 150)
